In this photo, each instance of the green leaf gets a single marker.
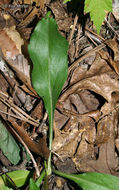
(93, 181)
(97, 10)
(5, 188)
(33, 185)
(19, 177)
(40, 179)
(8, 145)
(48, 52)
(66, 1)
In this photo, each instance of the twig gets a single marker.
(91, 38)
(21, 114)
(73, 28)
(77, 41)
(111, 27)
(100, 38)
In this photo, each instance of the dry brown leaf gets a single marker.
(2, 2)
(114, 61)
(10, 43)
(64, 138)
(40, 148)
(60, 119)
(65, 143)
(65, 165)
(38, 2)
(99, 66)
(3, 87)
(104, 84)
(85, 150)
(106, 128)
(29, 18)
(84, 101)
(69, 149)
(115, 6)
(62, 18)
(107, 161)
(22, 69)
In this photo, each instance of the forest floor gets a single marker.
(86, 137)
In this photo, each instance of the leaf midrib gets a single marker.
(50, 93)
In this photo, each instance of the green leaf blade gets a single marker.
(33, 185)
(97, 10)
(93, 180)
(19, 177)
(5, 188)
(48, 51)
(8, 145)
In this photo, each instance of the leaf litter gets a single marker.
(86, 136)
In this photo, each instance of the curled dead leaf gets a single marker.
(103, 84)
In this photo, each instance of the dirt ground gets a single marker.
(86, 133)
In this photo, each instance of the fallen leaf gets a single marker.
(39, 148)
(10, 43)
(104, 84)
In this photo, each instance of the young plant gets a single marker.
(97, 10)
(48, 52)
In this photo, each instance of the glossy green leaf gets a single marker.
(8, 145)
(98, 10)
(19, 177)
(93, 180)
(48, 52)
(33, 185)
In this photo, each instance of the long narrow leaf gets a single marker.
(93, 180)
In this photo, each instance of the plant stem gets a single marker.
(49, 169)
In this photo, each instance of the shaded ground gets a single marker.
(86, 136)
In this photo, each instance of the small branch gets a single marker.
(73, 28)
(109, 25)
